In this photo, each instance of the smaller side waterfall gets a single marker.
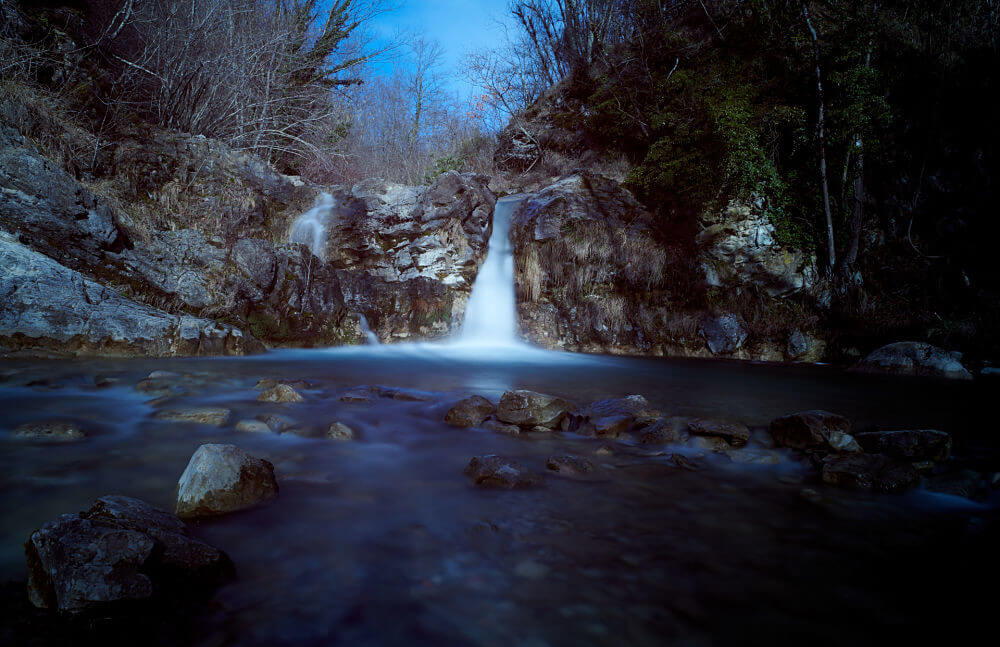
(310, 228)
(370, 337)
(490, 315)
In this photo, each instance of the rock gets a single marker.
(280, 393)
(753, 456)
(121, 549)
(683, 462)
(804, 347)
(874, 472)
(469, 412)
(215, 416)
(361, 395)
(253, 427)
(612, 418)
(911, 445)
(529, 409)
(501, 428)
(814, 430)
(710, 443)
(664, 431)
(276, 422)
(915, 358)
(964, 483)
(724, 335)
(498, 472)
(734, 433)
(50, 431)
(339, 431)
(567, 464)
(223, 478)
(51, 309)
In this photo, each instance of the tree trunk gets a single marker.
(821, 137)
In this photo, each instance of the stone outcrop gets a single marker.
(915, 358)
(873, 472)
(52, 309)
(121, 549)
(739, 246)
(221, 479)
(908, 444)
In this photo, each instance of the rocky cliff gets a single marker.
(593, 274)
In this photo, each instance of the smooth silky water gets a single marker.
(383, 540)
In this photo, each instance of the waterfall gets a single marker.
(491, 314)
(310, 228)
(370, 337)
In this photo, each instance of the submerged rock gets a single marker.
(338, 431)
(498, 472)
(469, 412)
(915, 358)
(530, 409)
(121, 549)
(276, 422)
(253, 427)
(567, 464)
(734, 433)
(911, 444)
(50, 431)
(282, 393)
(869, 472)
(223, 478)
(814, 430)
(501, 428)
(215, 416)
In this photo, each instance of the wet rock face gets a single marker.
(51, 308)
(43, 204)
(223, 478)
(492, 471)
(407, 257)
(910, 445)
(723, 335)
(873, 472)
(121, 549)
(613, 417)
(814, 430)
(738, 246)
(530, 409)
(469, 412)
(281, 393)
(915, 358)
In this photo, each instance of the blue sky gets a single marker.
(460, 26)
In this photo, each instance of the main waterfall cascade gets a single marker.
(491, 313)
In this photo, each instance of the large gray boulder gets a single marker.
(121, 549)
(469, 412)
(531, 409)
(223, 478)
(723, 335)
(915, 358)
(49, 308)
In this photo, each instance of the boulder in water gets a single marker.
(567, 464)
(915, 358)
(338, 431)
(469, 412)
(494, 471)
(215, 416)
(814, 430)
(910, 445)
(282, 393)
(734, 433)
(121, 549)
(665, 430)
(223, 478)
(530, 409)
(869, 472)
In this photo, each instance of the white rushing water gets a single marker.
(310, 228)
(491, 314)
